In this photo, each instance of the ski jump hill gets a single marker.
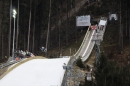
(50, 72)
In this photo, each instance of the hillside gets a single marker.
(110, 45)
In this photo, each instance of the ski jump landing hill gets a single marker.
(36, 72)
(50, 72)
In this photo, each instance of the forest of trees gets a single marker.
(40, 23)
(32, 24)
(109, 73)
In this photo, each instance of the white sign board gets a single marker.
(83, 20)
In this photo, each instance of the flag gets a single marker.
(93, 27)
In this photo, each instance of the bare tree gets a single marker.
(34, 27)
(75, 25)
(1, 30)
(126, 19)
(129, 21)
(120, 29)
(48, 32)
(9, 36)
(2, 38)
(59, 30)
(17, 26)
(29, 25)
(67, 22)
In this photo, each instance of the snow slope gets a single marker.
(36, 72)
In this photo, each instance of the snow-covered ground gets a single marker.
(36, 72)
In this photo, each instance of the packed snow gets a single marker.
(36, 72)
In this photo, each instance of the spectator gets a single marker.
(27, 54)
(5, 57)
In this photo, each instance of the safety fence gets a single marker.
(9, 63)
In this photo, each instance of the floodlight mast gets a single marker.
(14, 16)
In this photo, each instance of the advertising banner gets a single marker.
(83, 20)
(93, 27)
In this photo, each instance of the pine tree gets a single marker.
(79, 63)
(100, 70)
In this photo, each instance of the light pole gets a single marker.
(14, 16)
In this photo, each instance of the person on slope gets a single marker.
(43, 49)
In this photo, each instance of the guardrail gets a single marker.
(9, 63)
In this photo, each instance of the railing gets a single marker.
(65, 74)
(9, 63)
(90, 50)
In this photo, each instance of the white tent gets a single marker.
(113, 16)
